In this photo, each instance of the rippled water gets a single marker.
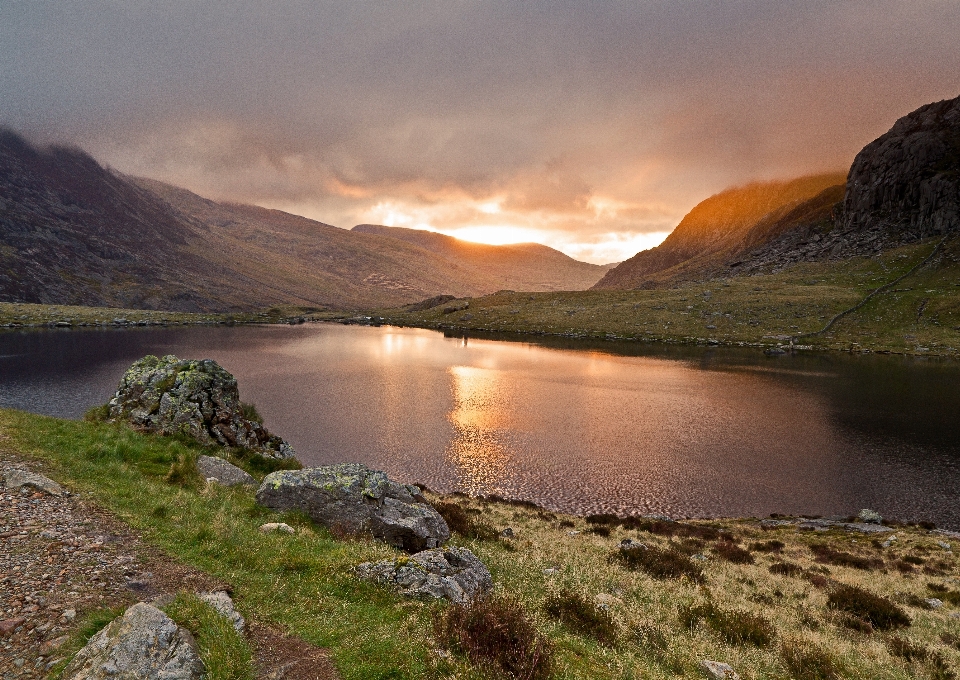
(585, 428)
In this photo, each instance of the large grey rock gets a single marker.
(223, 472)
(354, 499)
(196, 398)
(14, 478)
(223, 604)
(909, 178)
(143, 644)
(452, 573)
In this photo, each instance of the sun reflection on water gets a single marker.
(477, 416)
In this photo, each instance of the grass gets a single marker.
(304, 583)
(223, 650)
(27, 315)
(735, 626)
(920, 315)
(582, 616)
(878, 611)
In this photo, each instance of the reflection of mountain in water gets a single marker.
(480, 458)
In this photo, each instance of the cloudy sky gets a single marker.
(591, 126)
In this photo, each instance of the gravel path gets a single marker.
(62, 557)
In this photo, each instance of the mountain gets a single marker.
(723, 227)
(522, 266)
(902, 187)
(73, 232)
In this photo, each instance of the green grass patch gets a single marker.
(223, 650)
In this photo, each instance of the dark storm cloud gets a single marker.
(551, 109)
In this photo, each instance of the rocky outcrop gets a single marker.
(222, 472)
(354, 499)
(144, 644)
(452, 573)
(196, 398)
(909, 178)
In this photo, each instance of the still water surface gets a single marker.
(577, 427)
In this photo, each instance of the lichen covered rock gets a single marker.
(452, 573)
(144, 644)
(354, 499)
(196, 398)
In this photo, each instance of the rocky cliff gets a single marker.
(908, 180)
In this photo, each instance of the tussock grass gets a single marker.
(878, 611)
(735, 626)
(582, 616)
(223, 650)
(304, 583)
(660, 563)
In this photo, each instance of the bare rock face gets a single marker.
(143, 644)
(354, 499)
(452, 573)
(909, 178)
(196, 398)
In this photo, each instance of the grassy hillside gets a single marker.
(920, 314)
(772, 600)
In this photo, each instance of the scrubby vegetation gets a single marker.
(567, 604)
(497, 636)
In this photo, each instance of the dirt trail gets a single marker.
(62, 558)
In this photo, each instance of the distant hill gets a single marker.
(73, 232)
(521, 266)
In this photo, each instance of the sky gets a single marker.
(591, 126)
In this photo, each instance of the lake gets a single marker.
(574, 426)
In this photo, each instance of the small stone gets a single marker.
(220, 471)
(933, 603)
(573, 533)
(272, 527)
(944, 545)
(606, 600)
(50, 646)
(68, 615)
(719, 670)
(8, 626)
(507, 533)
(19, 662)
(868, 516)
(15, 478)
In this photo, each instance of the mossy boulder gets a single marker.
(197, 398)
(351, 498)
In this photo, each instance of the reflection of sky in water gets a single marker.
(480, 458)
(682, 432)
